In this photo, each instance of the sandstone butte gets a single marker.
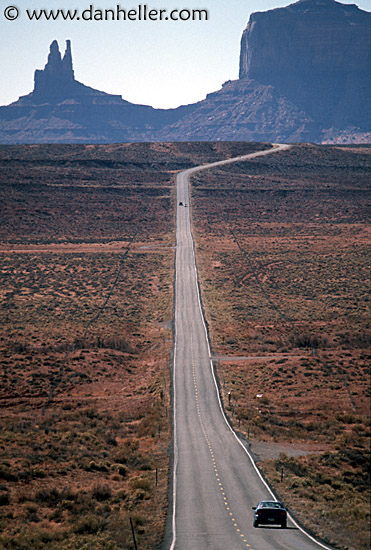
(305, 75)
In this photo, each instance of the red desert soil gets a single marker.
(283, 253)
(87, 258)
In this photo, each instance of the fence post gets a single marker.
(133, 533)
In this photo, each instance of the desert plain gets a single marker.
(87, 244)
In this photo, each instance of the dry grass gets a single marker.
(87, 339)
(76, 401)
(282, 247)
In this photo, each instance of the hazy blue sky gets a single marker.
(158, 63)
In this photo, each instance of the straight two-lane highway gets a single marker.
(215, 483)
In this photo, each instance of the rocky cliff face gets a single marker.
(304, 76)
(317, 54)
(311, 38)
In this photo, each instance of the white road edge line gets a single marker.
(277, 147)
(174, 422)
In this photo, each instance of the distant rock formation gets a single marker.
(307, 39)
(62, 110)
(57, 78)
(317, 54)
(243, 110)
(305, 75)
(56, 82)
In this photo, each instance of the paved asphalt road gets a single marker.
(215, 483)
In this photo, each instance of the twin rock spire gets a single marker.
(57, 75)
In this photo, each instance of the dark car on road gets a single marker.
(270, 512)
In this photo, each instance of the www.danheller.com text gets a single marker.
(141, 12)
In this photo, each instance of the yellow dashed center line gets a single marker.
(214, 463)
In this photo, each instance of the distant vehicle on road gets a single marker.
(180, 204)
(270, 512)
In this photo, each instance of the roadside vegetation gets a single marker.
(87, 256)
(282, 249)
(86, 261)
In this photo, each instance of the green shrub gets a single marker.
(127, 452)
(97, 467)
(292, 464)
(102, 492)
(140, 483)
(4, 499)
(89, 524)
(51, 497)
(32, 513)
